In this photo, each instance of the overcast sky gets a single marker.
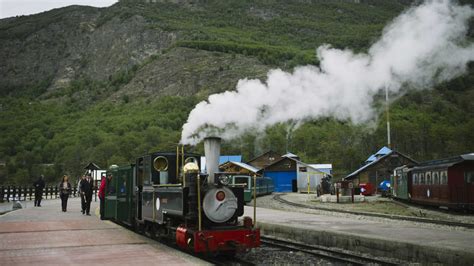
(11, 8)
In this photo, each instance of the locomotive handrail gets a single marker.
(182, 166)
(199, 200)
(254, 200)
(168, 185)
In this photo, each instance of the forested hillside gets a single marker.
(82, 84)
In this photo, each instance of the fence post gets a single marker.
(56, 191)
(95, 193)
(14, 192)
(74, 190)
(30, 191)
(2, 193)
(8, 194)
(25, 192)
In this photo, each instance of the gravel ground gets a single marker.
(268, 202)
(274, 256)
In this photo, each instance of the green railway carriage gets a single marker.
(264, 185)
(119, 193)
(401, 183)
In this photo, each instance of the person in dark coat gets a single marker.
(86, 193)
(39, 186)
(64, 191)
(83, 206)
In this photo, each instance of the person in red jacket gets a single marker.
(102, 193)
(102, 188)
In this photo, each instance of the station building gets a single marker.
(378, 167)
(289, 173)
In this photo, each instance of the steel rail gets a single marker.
(378, 215)
(324, 252)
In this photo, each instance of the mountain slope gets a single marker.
(82, 83)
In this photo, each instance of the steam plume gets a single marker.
(422, 47)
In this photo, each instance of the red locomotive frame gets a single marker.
(212, 241)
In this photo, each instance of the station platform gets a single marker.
(409, 242)
(46, 235)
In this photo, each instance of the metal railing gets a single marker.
(24, 193)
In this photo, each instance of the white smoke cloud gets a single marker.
(423, 46)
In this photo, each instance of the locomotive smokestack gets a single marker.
(212, 151)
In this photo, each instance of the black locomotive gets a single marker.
(166, 196)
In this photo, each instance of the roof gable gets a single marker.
(245, 166)
(92, 166)
(264, 159)
(378, 160)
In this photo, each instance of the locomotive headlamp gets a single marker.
(220, 196)
(224, 180)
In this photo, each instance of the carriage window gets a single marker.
(422, 178)
(241, 180)
(444, 178)
(469, 177)
(415, 179)
(147, 170)
(435, 178)
(428, 178)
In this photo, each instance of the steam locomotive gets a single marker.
(165, 196)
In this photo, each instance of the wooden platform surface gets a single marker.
(46, 236)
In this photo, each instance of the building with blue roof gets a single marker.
(383, 151)
(379, 166)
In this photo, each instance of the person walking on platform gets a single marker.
(64, 191)
(86, 193)
(79, 192)
(39, 186)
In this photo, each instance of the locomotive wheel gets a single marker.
(148, 230)
(140, 228)
(228, 253)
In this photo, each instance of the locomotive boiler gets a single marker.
(168, 197)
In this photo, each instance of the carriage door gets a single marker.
(110, 204)
(469, 184)
(139, 187)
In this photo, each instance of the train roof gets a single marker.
(445, 162)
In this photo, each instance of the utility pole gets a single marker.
(388, 117)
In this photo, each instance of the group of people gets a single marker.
(85, 190)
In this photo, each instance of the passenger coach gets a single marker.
(446, 183)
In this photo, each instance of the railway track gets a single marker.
(324, 252)
(216, 260)
(223, 260)
(319, 252)
(379, 215)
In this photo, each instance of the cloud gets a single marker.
(11, 8)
